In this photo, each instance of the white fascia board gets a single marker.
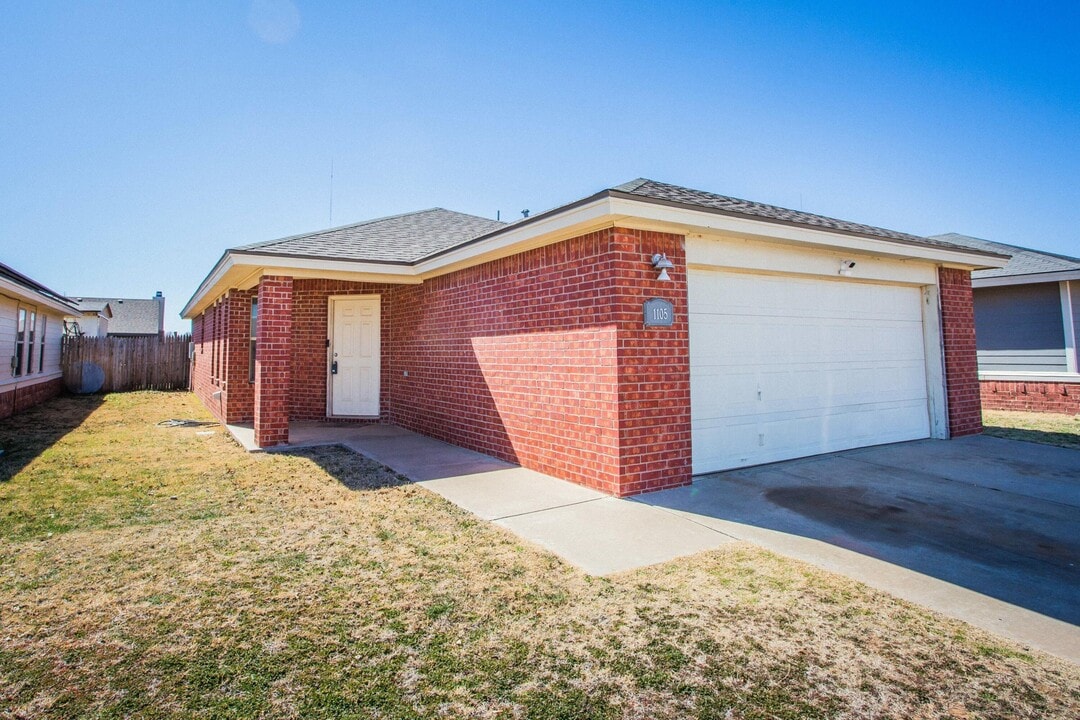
(1031, 377)
(631, 212)
(242, 270)
(287, 263)
(1025, 279)
(25, 294)
(569, 223)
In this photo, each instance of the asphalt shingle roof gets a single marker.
(411, 237)
(130, 316)
(654, 190)
(1024, 261)
(396, 239)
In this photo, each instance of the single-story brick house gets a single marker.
(1027, 321)
(778, 334)
(31, 329)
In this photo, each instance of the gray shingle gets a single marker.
(1024, 261)
(130, 316)
(654, 190)
(400, 239)
(411, 237)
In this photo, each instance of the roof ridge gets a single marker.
(348, 226)
(634, 184)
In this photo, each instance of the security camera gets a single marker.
(849, 264)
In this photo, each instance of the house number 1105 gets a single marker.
(658, 313)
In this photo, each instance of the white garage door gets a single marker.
(784, 367)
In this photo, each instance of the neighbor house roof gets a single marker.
(410, 247)
(403, 238)
(1023, 261)
(130, 316)
(30, 288)
(98, 306)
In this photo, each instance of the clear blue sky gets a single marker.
(139, 140)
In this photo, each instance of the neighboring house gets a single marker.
(1027, 321)
(130, 317)
(31, 328)
(625, 341)
(92, 319)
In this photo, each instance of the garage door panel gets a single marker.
(752, 439)
(746, 294)
(789, 367)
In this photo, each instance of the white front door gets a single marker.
(354, 356)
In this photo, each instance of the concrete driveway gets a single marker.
(980, 528)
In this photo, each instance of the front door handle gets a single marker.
(333, 368)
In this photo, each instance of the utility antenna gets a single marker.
(331, 192)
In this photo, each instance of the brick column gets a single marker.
(239, 404)
(961, 358)
(653, 365)
(272, 361)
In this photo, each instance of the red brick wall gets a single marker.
(273, 360)
(220, 362)
(1054, 397)
(203, 383)
(239, 392)
(307, 394)
(15, 400)
(961, 361)
(541, 359)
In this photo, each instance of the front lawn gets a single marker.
(1047, 428)
(150, 571)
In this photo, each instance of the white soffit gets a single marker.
(31, 297)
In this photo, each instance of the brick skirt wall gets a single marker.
(1053, 397)
(21, 398)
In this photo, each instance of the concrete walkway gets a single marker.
(597, 533)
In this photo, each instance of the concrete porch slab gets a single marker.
(593, 531)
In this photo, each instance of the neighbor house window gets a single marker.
(20, 343)
(41, 348)
(251, 338)
(31, 328)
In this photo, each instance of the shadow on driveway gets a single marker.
(999, 517)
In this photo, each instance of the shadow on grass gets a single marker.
(26, 435)
(1043, 437)
(353, 470)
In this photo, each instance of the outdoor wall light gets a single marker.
(661, 263)
(847, 268)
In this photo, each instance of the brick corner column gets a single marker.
(653, 366)
(961, 357)
(273, 335)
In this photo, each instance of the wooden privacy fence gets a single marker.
(116, 364)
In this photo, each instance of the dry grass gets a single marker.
(1047, 428)
(159, 572)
